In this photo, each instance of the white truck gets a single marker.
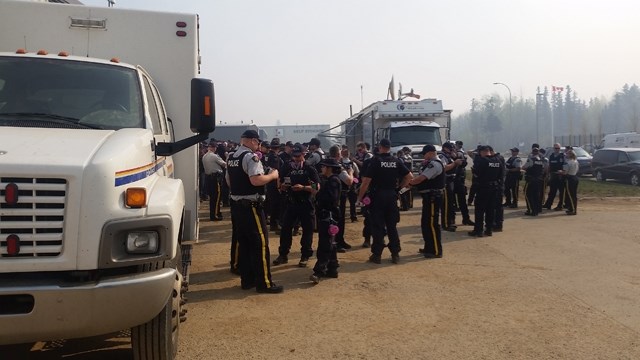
(621, 140)
(98, 175)
(405, 123)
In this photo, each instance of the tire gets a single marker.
(600, 176)
(635, 179)
(158, 338)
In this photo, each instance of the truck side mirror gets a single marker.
(203, 115)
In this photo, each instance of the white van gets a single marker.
(621, 140)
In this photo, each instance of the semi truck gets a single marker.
(411, 124)
(99, 109)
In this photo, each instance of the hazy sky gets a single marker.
(304, 61)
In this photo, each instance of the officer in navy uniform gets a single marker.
(534, 172)
(430, 185)
(383, 175)
(328, 198)
(273, 161)
(300, 182)
(448, 209)
(512, 181)
(246, 179)
(556, 179)
(488, 170)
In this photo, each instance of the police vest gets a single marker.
(438, 182)
(556, 162)
(460, 170)
(535, 171)
(298, 176)
(489, 169)
(385, 171)
(240, 183)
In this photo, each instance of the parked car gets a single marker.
(583, 157)
(617, 163)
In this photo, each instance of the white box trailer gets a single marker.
(620, 140)
(98, 175)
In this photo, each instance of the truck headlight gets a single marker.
(142, 242)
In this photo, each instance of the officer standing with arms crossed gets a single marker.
(512, 181)
(383, 175)
(246, 179)
(430, 184)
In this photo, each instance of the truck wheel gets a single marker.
(600, 176)
(635, 180)
(158, 338)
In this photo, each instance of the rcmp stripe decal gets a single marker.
(124, 177)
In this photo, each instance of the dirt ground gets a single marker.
(548, 287)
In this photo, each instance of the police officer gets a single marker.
(213, 169)
(498, 218)
(346, 177)
(512, 180)
(556, 179)
(246, 179)
(488, 170)
(459, 187)
(316, 154)
(383, 175)
(300, 182)
(406, 198)
(450, 164)
(534, 173)
(430, 185)
(273, 161)
(328, 198)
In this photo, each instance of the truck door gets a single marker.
(159, 123)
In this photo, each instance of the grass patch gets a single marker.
(589, 187)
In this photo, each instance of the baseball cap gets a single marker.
(250, 134)
(484, 148)
(314, 141)
(428, 148)
(515, 149)
(448, 145)
(330, 162)
(297, 150)
(385, 143)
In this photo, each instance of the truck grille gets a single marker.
(37, 218)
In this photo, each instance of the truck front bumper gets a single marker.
(65, 312)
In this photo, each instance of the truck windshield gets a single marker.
(69, 94)
(412, 135)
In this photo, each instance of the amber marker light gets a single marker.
(207, 105)
(136, 197)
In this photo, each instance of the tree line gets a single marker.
(554, 115)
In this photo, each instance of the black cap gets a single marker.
(275, 143)
(484, 148)
(406, 149)
(289, 143)
(459, 142)
(330, 162)
(535, 145)
(314, 141)
(515, 149)
(448, 145)
(427, 148)
(385, 143)
(250, 134)
(264, 144)
(297, 150)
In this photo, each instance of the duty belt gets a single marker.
(248, 203)
(431, 191)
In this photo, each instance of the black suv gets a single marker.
(617, 163)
